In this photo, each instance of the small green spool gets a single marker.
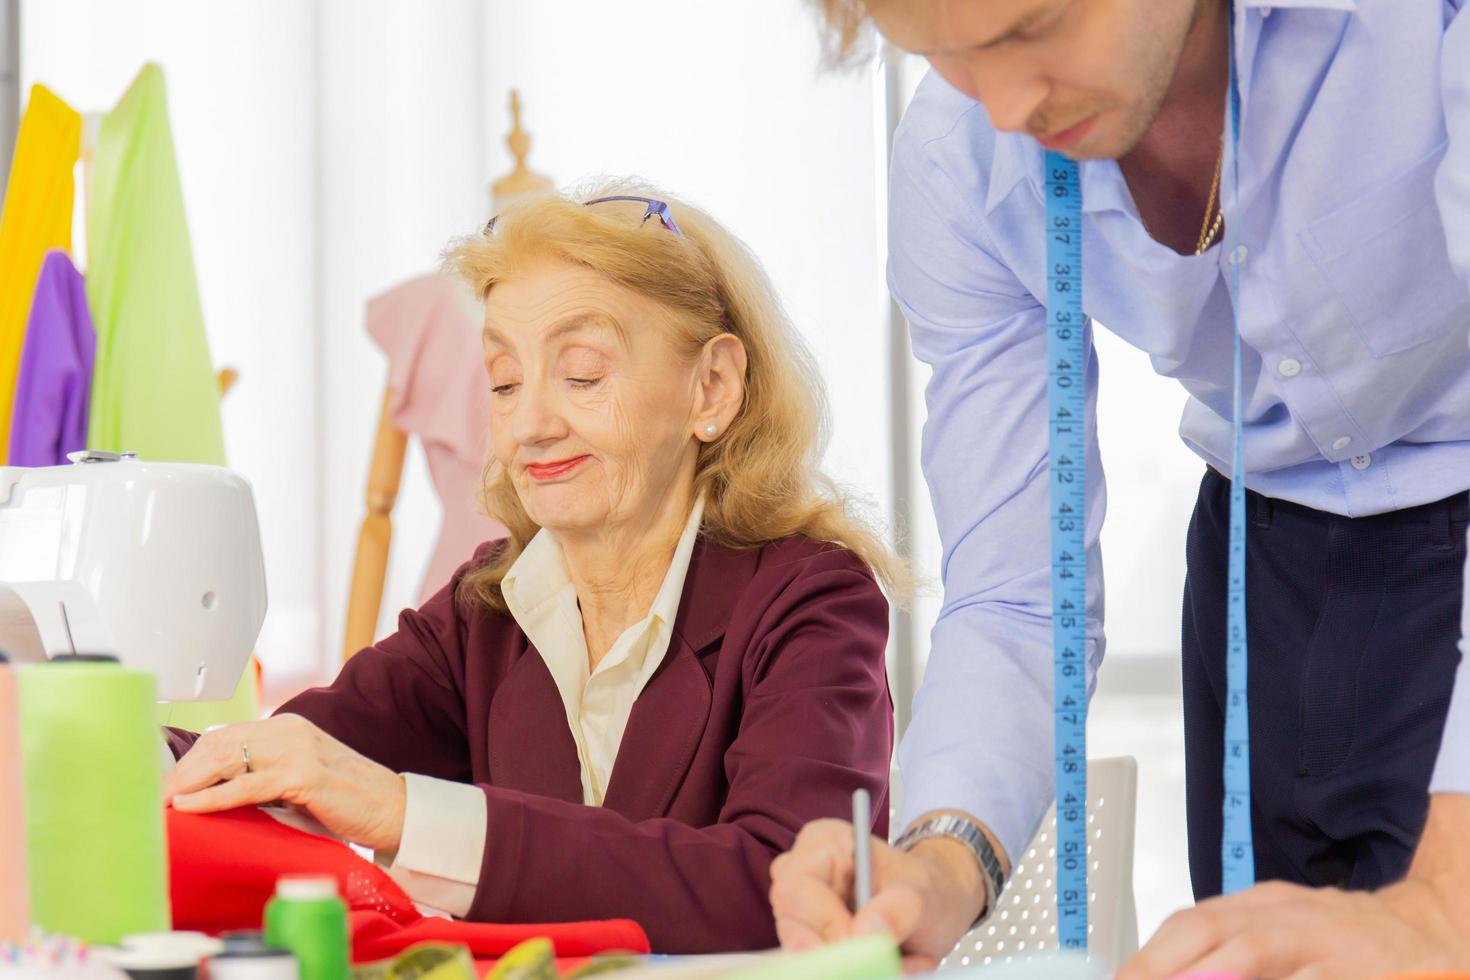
(308, 918)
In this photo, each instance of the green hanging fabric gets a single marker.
(154, 390)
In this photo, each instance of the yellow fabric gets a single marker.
(36, 219)
(538, 589)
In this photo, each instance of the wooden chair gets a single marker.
(374, 539)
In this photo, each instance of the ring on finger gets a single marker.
(245, 755)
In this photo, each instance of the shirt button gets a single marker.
(1238, 254)
(1289, 367)
(1341, 442)
(1362, 462)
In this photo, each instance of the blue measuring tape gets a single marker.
(1067, 457)
(1066, 385)
(1237, 855)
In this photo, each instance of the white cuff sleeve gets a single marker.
(443, 843)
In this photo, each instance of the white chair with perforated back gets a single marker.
(1024, 921)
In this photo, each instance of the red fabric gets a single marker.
(223, 869)
(770, 707)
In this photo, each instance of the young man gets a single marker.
(1352, 239)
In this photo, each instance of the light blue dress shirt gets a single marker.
(1353, 227)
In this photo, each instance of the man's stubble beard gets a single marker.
(1160, 61)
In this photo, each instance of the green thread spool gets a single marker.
(93, 799)
(307, 917)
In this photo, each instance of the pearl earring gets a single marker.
(711, 429)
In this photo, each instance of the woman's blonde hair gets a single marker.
(760, 478)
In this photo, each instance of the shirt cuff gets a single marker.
(1009, 799)
(443, 843)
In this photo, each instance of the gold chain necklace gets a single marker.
(1212, 228)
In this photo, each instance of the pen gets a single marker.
(862, 849)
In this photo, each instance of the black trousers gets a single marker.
(1352, 626)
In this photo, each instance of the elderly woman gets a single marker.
(631, 705)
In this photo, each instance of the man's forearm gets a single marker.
(956, 874)
(1434, 896)
(1442, 859)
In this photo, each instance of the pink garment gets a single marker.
(429, 329)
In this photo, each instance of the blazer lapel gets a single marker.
(531, 747)
(663, 732)
(669, 717)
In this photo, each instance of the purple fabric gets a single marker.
(55, 381)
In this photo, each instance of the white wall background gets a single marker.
(331, 148)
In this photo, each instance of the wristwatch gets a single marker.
(975, 841)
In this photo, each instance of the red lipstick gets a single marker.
(555, 469)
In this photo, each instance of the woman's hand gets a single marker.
(291, 759)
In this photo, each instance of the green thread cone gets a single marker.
(93, 799)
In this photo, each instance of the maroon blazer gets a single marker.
(769, 709)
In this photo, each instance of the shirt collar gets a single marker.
(537, 575)
(1012, 158)
(666, 603)
(540, 575)
(1017, 157)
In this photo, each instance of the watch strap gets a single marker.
(969, 834)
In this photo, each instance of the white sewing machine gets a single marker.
(157, 563)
